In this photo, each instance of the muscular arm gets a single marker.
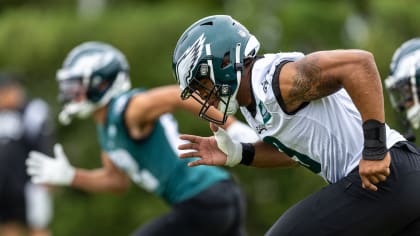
(268, 156)
(210, 153)
(322, 73)
(145, 108)
(150, 105)
(106, 179)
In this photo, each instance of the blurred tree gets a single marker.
(36, 35)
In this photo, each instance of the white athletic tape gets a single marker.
(38, 206)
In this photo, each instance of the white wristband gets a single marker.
(241, 132)
(231, 148)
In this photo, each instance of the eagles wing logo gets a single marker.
(188, 61)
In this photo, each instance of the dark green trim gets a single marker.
(303, 159)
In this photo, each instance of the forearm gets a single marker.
(365, 88)
(169, 99)
(99, 180)
(193, 106)
(267, 155)
(149, 106)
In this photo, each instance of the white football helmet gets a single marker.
(92, 74)
(404, 80)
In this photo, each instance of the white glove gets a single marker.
(232, 148)
(241, 132)
(48, 170)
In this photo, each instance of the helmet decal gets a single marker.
(407, 65)
(188, 61)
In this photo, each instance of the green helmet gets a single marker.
(403, 82)
(214, 48)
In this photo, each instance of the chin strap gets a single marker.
(233, 103)
(121, 84)
(230, 105)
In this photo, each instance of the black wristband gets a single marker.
(248, 153)
(374, 147)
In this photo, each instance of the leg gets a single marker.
(11, 229)
(38, 209)
(215, 211)
(39, 232)
(164, 225)
(345, 208)
(412, 229)
(12, 209)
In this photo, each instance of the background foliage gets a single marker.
(35, 36)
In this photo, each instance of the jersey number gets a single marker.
(301, 158)
(126, 162)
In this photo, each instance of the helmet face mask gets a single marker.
(70, 89)
(214, 48)
(92, 74)
(403, 83)
(401, 93)
(205, 92)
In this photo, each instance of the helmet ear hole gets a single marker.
(226, 60)
(103, 85)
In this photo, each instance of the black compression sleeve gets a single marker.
(374, 133)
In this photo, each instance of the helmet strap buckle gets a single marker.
(239, 67)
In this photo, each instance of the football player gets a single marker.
(139, 139)
(25, 125)
(403, 85)
(323, 111)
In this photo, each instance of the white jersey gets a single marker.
(325, 136)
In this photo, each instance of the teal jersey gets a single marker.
(153, 162)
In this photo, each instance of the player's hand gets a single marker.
(204, 148)
(373, 172)
(217, 150)
(49, 170)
